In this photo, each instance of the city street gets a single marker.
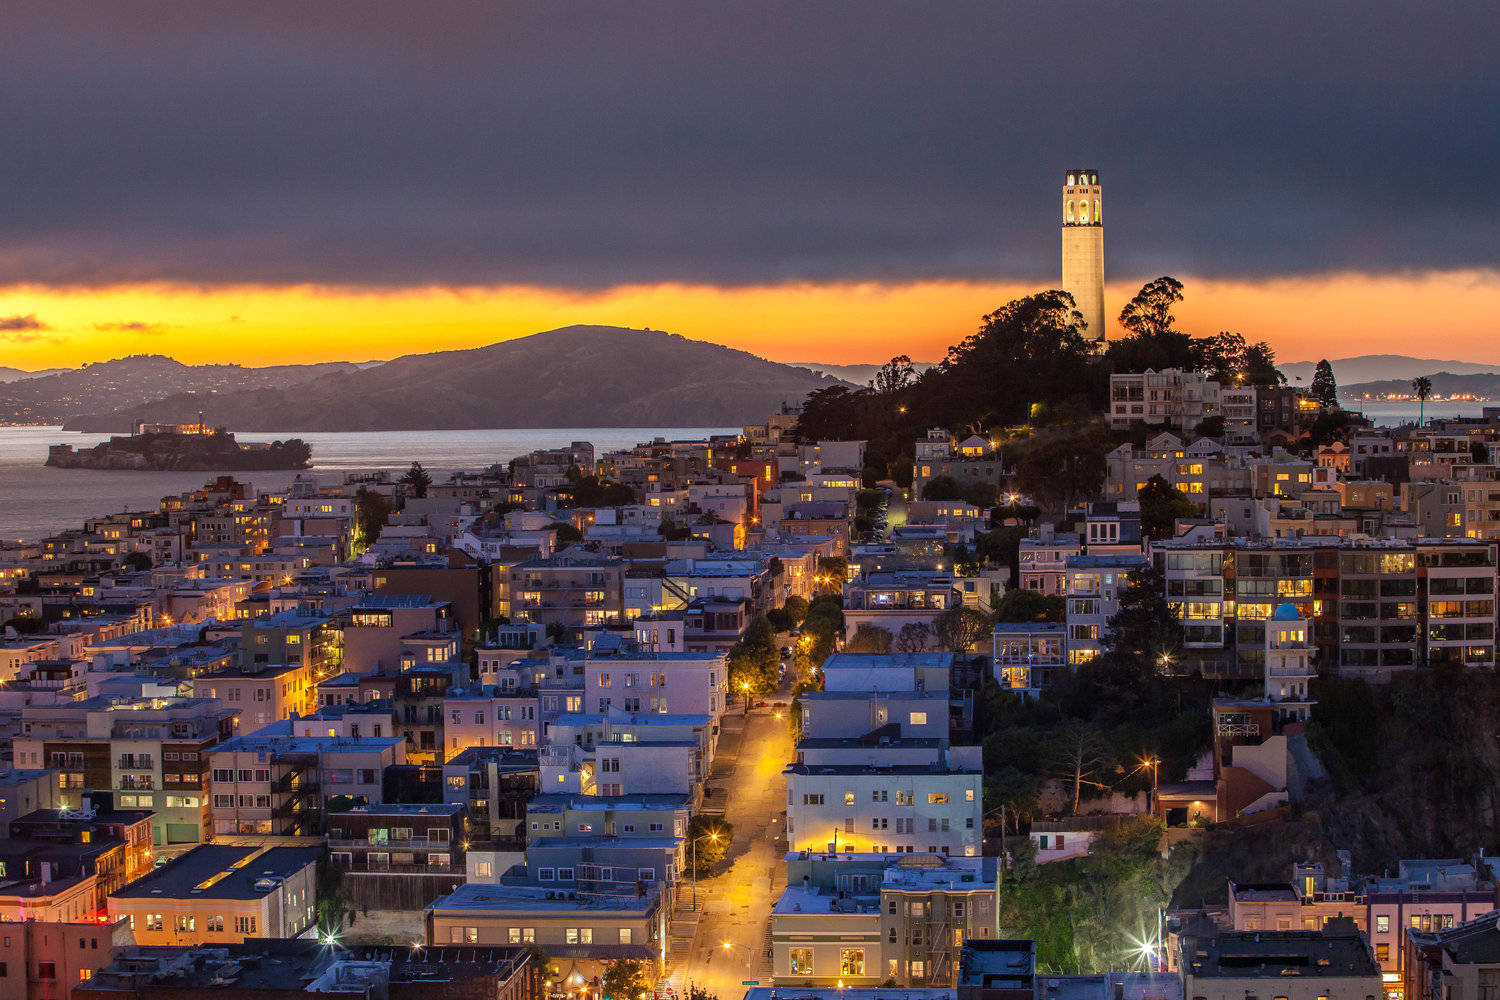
(736, 906)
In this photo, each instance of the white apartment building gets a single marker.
(662, 683)
(902, 797)
(1171, 396)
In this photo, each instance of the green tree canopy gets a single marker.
(1325, 389)
(1161, 505)
(416, 480)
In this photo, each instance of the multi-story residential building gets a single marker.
(1331, 963)
(1170, 397)
(1452, 963)
(973, 462)
(1094, 586)
(592, 928)
(1200, 469)
(276, 783)
(572, 589)
(261, 694)
(606, 843)
(495, 784)
(46, 960)
(862, 919)
(378, 626)
(309, 967)
(399, 856)
(885, 795)
(1043, 560)
(686, 683)
(1376, 606)
(151, 752)
(1028, 656)
(893, 599)
(222, 894)
(488, 717)
(25, 790)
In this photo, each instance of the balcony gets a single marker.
(411, 843)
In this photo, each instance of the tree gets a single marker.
(1222, 356)
(753, 660)
(567, 533)
(1479, 453)
(1080, 757)
(959, 628)
(913, 637)
(1260, 367)
(1161, 505)
(1422, 386)
(138, 561)
(870, 639)
(795, 609)
(712, 837)
(1145, 627)
(372, 512)
(1149, 314)
(1325, 389)
(416, 480)
(1022, 605)
(894, 376)
(624, 980)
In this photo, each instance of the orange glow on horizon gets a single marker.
(1437, 314)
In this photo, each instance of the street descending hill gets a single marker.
(578, 376)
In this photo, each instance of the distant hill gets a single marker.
(578, 376)
(137, 381)
(857, 374)
(1485, 385)
(1379, 367)
(17, 374)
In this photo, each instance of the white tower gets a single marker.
(1083, 248)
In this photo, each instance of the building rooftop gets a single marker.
(478, 897)
(222, 871)
(1338, 950)
(883, 661)
(284, 743)
(641, 801)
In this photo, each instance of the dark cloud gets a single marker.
(131, 326)
(390, 143)
(22, 324)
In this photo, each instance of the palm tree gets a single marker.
(1422, 386)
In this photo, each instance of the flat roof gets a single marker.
(222, 871)
(474, 896)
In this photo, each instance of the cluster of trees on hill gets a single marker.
(1028, 365)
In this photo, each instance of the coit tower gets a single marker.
(1083, 248)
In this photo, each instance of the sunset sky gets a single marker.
(275, 182)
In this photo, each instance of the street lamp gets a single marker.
(1154, 764)
(745, 687)
(749, 955)
(711, 835)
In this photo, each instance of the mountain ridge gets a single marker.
(575, 376)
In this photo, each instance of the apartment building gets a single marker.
(1376, 606)
(1172, 397)
(1331, 963)
(274, 783)
(377, 626)
(884, 795)
(1029, 656)
(151, 752)
(1043, 560)
(495, 784)
(223, 894)
(45, 960)
(590, 929)
(606, 841)
(685, 683)
(572, 589)
(486, 716)
(1094, 586)
(863, 919)
(1455, 963)
(399, 856)
(974, 461)
(261, 694)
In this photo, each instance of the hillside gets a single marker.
(17, 374)
(1443, 384)
(578, 376)
(1379, 367)
(136, 381)
(857, 374)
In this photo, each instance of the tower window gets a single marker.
(1069, 216)
(1096, 211)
